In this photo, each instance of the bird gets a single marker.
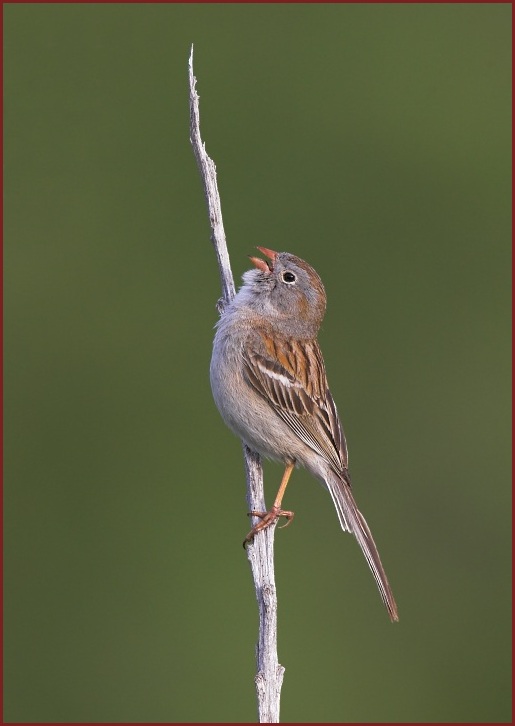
(269, 383)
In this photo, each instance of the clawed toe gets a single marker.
(289, 519)
(267, 519)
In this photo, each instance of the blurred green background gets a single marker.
(374, 142)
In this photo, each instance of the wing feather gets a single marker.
(293, 381)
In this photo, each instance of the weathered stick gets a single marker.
(260, 552)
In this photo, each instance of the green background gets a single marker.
(371, 140)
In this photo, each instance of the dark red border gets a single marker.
(12, 2)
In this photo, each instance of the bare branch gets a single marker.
(260, 552)
(207, 170)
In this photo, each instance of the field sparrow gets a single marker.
(269, 383)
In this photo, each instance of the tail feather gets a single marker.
(353, 521)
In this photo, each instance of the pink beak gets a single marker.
(261, 264)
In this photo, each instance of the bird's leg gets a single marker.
(268, 518)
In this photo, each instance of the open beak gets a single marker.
(262, 264)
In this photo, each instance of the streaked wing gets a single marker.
(293, 380)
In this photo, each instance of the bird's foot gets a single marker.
(267, 519)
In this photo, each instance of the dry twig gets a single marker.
(260, 552)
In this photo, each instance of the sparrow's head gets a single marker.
(287, 291)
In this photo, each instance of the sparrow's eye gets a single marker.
(289, 277)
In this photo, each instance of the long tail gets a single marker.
(353, 521)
